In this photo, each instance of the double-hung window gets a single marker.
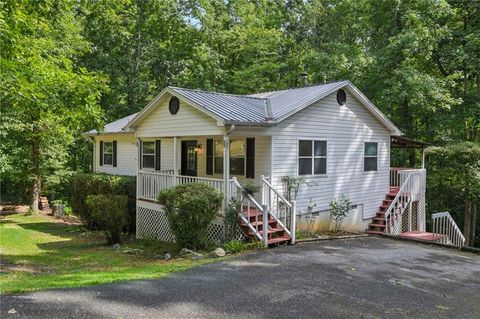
(148, 154)
(107, 153)
(237, 157)
(218, 157)
(312, 157)
(370, 162)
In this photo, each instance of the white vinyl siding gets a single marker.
(346, 128)
(189, 121)
(127, 154)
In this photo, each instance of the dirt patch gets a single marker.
(12, 208)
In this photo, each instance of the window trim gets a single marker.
(103, 153)
(313, 157)
(370, 156)
(154, 154)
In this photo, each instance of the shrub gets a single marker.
(110, 213)
(230, 221)
(95, 184)
(190, 209)
(236, 246)
(339, 209)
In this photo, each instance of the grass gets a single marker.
(38, 253)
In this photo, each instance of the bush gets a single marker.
(95, 184)
(190, 209)
(236, 246)
(110, 213)
(339, 209)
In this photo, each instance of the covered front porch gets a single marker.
(218, 161)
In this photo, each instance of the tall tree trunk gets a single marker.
(467, 225)
(37, 180)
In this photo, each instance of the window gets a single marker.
(218, 157)
(312, 157)
(237, 157)
(371, 156)
(108, 153)
(148, 154)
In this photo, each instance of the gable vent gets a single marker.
(341, 97)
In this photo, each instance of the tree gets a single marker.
(454, 169)
(47, 98)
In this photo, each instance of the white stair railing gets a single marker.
(446, 231)
(283, 211)
(251, 207)
(394, 213)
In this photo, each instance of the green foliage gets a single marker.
(236, 246)
(95, 184)
(453, 184)
(231, 219)
(249, 188)
(339, 209)
(110, 213)
(291, 185)
(190, 209)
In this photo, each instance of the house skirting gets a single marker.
(152, 223)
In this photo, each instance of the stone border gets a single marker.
(307, 240)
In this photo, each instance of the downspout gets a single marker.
(226, 164)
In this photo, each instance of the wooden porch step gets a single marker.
(259, 223)
(379, 219)
(272, 231)
(283, 239)
(377, 225)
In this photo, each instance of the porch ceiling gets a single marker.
(405, 142)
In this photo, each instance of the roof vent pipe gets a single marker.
(304, 78)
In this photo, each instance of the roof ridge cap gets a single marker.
(296, 88)
(219, 93)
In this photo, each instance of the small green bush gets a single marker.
(110, 213)
(236, 246)
(339, 209)
(95, 184)
(190, 209)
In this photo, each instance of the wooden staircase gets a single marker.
(276, 234)
(379, 223)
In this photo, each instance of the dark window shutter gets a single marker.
(209, 156)
(114, 160)
(157, 155)
(101, 153)
(140, 154)
(250, 172)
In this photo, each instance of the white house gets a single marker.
(328, 137)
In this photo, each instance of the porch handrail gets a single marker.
(274, 204)
(446, 231)
(393, 214)
(257, 206)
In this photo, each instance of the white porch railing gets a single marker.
(280, 209)
(149, 184)
(412, 188)
(446, 231)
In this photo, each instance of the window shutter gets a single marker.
(101, 153)
(250, 171)
(157, 155)
(140, 151)
(209, 156)
(114, 159)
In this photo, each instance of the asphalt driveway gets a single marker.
(361, 278)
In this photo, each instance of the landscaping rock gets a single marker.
(197, 256)
(167, 256)
(185, 252)
(116, 247)
(219, 252)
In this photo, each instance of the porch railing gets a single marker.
(149, 184)
(411, 183)
(446, 231)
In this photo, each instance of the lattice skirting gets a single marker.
(152, 223)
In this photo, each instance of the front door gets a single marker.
(189, 158)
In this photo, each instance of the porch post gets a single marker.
(226, 169)
(175, 159)
(423, 157)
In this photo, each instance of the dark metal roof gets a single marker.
(405, 142)
(115, 126)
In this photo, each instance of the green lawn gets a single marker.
(38, 253)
